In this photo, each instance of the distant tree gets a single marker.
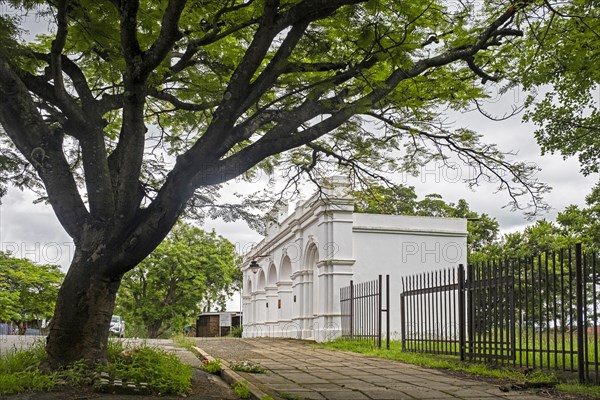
(583, 224)
(402, 200)
(379, 199)
(189, 272)
(28, 291)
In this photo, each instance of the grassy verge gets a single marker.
(452, 363)
(162, 371)
(183, 341)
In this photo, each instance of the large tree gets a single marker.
(189, 272)
(133, 110)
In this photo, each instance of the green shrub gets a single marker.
(236, 331)
(241, 389)
(212, 367)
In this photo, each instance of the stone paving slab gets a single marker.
(297, 370)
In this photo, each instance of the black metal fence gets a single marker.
(535, 312)
(362, 309)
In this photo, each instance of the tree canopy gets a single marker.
(191, 271)
(27, 290)
(560, 62)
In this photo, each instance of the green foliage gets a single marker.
(27, 290)
(402, 200)
(236, 331)
(241, 389)
(559, 61)
(212, 367)
(163, 371)
(189, 272)
(249, 366)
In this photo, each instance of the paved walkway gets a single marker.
(298, 370)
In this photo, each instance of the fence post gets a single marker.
(461, 312)
(580, 314)
(351, 309)
(387, 311)
(402, 321)
(380, 299)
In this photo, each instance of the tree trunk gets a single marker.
(81, 321)
(154, 329)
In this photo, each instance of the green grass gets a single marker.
(241, 389)
(19, 371)
(162, 371)
(577, 388)
(544, 349)
(183, 341)
(211, 367)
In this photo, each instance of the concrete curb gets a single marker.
(230, 376)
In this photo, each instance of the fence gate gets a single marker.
(470, 314)
(362, 306)
(490, 308)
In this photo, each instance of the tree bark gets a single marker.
(154, 329)
(80, 326)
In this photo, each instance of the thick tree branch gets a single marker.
(57, 47)
(91, 138)
(42, 148)
(126, 161)
(180, 105)
(275, 67)
(80, 83)
(169, 35)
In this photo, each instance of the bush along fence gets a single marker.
(535, 312)
(362, 309)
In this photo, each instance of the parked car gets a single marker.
(117, 326)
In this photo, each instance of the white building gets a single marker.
(310, 254)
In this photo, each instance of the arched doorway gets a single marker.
(285, 302)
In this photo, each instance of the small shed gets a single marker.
(215, 324)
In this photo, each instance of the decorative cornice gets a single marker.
(396, 231)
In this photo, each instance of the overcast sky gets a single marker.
(32, 231)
